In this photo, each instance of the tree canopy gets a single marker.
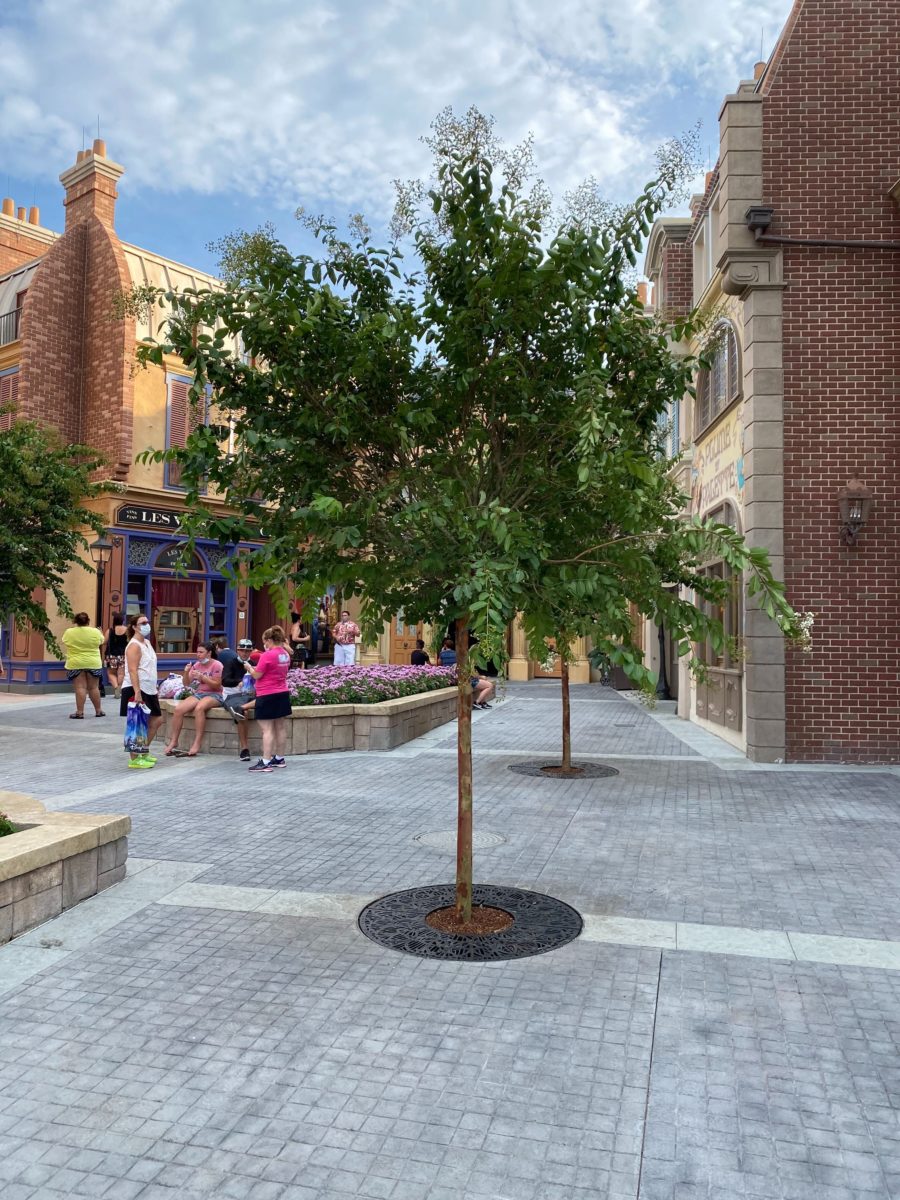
(465, 424)
(46, 488)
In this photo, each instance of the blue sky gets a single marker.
(228, 114)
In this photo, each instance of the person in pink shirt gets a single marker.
(273, 700)
(204, 680)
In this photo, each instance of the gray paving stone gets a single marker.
(166, 1052)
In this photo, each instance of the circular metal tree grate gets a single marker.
(586, 770)
(445, 839)
(540, 923)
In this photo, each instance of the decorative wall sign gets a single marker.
(156, 518)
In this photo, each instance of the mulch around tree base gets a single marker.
(484, 920)
(548, 770)
(539, 923)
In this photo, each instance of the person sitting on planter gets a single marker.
(482, 691)
(447, 656)
(242, 700)
(203, 678)
(420, 656)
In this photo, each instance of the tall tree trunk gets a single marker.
(566, 716)
(464, 774)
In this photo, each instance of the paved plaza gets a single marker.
(728, 1024)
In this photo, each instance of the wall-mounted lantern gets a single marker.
(855, 503)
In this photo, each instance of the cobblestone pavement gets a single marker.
(216, 1026)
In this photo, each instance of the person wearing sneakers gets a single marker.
(273, 700)
(241, 700)
(141, 684)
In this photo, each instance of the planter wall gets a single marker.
(327, 727)
(56, 860)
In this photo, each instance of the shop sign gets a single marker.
(718, 468)
(155, 518)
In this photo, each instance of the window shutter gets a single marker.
(184, 418)
(9, 395)
(703, 391)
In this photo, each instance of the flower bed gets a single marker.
(366, 684)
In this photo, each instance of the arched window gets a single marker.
(720, 385)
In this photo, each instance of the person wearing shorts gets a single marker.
(273, 700)
(240, 700)
(141, 685)
(203, 678)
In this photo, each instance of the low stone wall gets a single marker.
(316, 728)
(56, 860)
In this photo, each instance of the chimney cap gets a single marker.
(9, 206)
(34, 215)
(99, 148)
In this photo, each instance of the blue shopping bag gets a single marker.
(137, 728)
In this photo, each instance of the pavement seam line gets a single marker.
(649, 1074)
(258, 896)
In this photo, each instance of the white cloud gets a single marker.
(324, 103)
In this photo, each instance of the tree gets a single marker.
(46, 488)
(462, 441)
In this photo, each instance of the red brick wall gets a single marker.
(677, 279)
(108, 353)
(50, 373)
(831, 150)
(76, 355)
(16, 248)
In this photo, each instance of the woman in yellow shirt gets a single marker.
(83, 666)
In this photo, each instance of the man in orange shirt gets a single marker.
(345, 634)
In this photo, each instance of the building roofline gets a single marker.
(171, 262)
(664, 231)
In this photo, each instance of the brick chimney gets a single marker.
(91, 186)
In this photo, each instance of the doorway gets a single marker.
(177, 607)
(403, 639)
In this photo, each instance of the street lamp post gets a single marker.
(101, 553)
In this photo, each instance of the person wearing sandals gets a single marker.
(114, 649)
(141, 684)
(273, 700)
(203, 678)
(83, 666)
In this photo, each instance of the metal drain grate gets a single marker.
(541, 923)
(445, 839)
(588, 770)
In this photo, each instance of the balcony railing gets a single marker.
(9, 326)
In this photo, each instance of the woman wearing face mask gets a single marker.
(140, 683)
(204, 678)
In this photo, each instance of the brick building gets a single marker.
(793, 251)
(68, 360)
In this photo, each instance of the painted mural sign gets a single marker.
(718, 468)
